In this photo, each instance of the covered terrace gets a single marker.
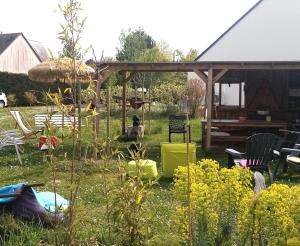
(209, 72)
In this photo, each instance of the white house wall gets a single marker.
(270, 32)
(18, 57)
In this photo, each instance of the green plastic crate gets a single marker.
(174, 155)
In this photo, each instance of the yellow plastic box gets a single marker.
(147, 168)
(174, 155)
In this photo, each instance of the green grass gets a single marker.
(91, 198)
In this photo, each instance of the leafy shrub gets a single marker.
(11, 100)
(17, 84)
(128, 213)
(196, 94)
(169, 94)
(30, 98)
(157, 129)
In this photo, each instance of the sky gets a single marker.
(182, 24)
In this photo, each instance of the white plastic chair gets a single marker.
(12, 138)
(26, 131)
(260, 183)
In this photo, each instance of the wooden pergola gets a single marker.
(209, 72)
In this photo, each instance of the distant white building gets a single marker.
(18, 54)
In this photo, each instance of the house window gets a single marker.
(230, 94)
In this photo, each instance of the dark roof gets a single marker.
(37, 47)
(7, 39)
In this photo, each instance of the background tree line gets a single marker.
(135, 45)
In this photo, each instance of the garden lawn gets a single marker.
(96, 179)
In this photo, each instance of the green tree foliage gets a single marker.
(159, 53)
(169, 94)
(71, 31)
(67, 51)
(138, 46)
(156, 54)
(133, 45)
(191, 55)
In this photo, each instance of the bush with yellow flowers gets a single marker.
(216, 194)
(271, 217)
(226, 211)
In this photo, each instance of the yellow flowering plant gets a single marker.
(271, 217)
(216, 194)
(226, 211)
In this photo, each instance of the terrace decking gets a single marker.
(239, 131)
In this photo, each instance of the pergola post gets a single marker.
(124, 92)
(102, 76)
(108, 103)
(209, 108)
(124, 80)
(97, 121)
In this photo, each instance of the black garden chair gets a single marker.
(177, 124)
(262, 149)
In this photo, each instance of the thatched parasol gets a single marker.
(60, 69)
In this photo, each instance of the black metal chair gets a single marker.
(177, 124)
(261, 150)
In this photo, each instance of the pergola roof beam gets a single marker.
(202, 75)
(219, 75)
(199, 66)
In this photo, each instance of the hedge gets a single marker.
(18, 84)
